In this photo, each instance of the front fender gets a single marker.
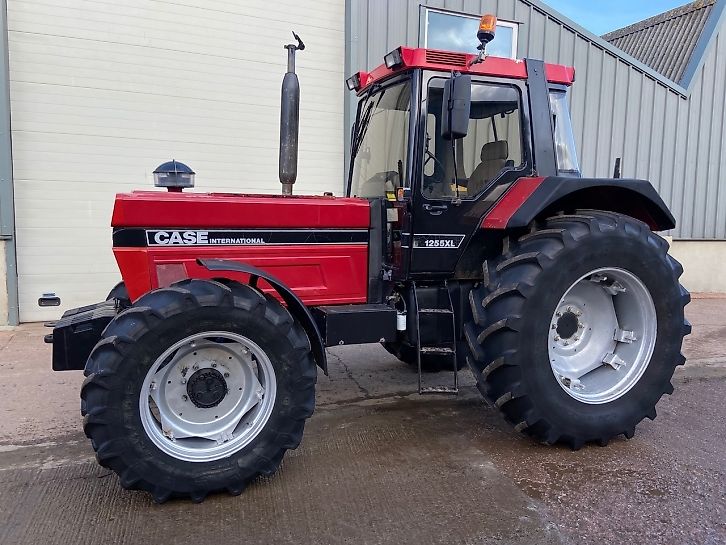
(296, 307)
(529, 199)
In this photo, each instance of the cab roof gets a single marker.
(449, 61)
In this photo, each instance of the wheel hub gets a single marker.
(207, 396)
(567, 325)
(206, 388)
(602, 335)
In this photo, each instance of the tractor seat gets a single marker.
(493, 160)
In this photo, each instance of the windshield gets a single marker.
(379, 142)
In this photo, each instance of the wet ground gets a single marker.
(379, 465)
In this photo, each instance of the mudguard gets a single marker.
(531, 198)
(296, 307)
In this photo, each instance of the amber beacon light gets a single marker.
(487, 29)
(485, 34)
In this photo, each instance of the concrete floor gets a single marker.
(380, 465)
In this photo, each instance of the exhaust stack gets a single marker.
(289, 119)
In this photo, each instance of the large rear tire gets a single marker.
(198, 388)
(577, 328)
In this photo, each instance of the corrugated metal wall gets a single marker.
(618, 110)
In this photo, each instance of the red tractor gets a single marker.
(467, 237)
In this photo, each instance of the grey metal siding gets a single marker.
(620, 108)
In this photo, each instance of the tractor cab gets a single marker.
(440, 136)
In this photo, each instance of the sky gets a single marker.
(601, 17)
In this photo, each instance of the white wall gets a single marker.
(704, 264)
(102, 92)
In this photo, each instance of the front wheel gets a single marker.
(578, 328)
(198, 388)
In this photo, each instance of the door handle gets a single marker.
(435, 209)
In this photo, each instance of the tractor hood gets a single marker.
(316, 246)
(230, 210)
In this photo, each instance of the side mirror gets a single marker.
(456, 107)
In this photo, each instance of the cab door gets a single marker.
(458, 181)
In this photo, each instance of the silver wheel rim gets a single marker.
(602, 335)
(188, 377)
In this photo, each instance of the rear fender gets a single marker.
(296, 307)
(529, 199)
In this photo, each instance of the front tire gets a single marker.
(531, 315)
(198, 388)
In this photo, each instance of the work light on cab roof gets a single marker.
(354, 82)
(394, 58)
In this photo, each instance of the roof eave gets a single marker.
(698, 57)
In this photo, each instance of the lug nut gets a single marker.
(214, 365)
(183, 381)
(195, 366)
(185, 398)
(226, 375)
(557, 337)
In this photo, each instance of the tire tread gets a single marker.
(107, 357)
(510, 279)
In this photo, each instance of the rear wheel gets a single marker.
(198, 388)
(577, 328)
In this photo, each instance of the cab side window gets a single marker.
(492, 146)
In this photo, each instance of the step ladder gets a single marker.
(435, 312)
